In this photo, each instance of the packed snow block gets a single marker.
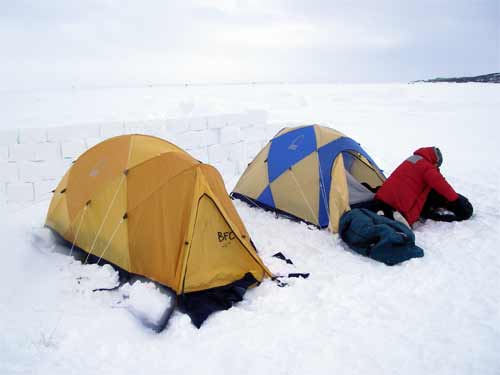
(273, 128)
(209, 137)
(230, 134)
(252, 134)
(111, 129)
(233, 119)
(200, 154)
(68, 133)
(57, 168)
(21, 152)
(35, 151)
(242, 120)
(221, 121)
(155, 123)
(3, 198)
(47, 151)
(169, 132)
(31, 171)
(20, 192)
(251, 150)
(213, 122)
(240, 166)
(226, 168)
(154, 132)
(197, 123)
(33, 135)
(189, 140)
(9, 137)
(71, 150)
(173, 138)
(8, 171)
(257, 117)
(217, 153)
(176, 126)
(43, 189)
(92, 141)
(266, 132)
(155, 127)
(149, 127)
(235, 151)
(4, 153)
(134, 127)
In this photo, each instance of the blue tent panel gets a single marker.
(266, 197)
(326, 155)
(288, 149)
(348, 160)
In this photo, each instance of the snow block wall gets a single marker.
(32, 161)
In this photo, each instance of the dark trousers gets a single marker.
(375, 205)
(434, 202)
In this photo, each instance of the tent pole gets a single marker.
(323, 192)
(110, 240)
(78, 229)
(104, 218)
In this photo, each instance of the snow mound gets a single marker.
(146, 301)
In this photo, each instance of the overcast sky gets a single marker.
(60, 43)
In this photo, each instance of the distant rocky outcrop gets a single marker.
(485, 78)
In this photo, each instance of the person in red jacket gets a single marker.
(417, 188)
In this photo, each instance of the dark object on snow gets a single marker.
(281, 256)
(298, 275)
(282, 284)
(278, 280)
(378, 237)
(374, 205)
(439, 209)
(199, 305)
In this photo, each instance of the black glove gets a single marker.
(462, 208)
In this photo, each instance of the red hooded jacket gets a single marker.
(407, 188)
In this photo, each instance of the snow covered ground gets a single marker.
(436, 315)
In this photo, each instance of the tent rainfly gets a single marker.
(310, 173)
(149, 208)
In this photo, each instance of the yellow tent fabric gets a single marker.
(312, 173)
(147, 206)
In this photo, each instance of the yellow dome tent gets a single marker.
(311, 173)
(148, 207)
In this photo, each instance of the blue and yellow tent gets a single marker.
(311, 173)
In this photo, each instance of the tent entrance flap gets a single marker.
(216, 256)
(199, 305)
(357, 192)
